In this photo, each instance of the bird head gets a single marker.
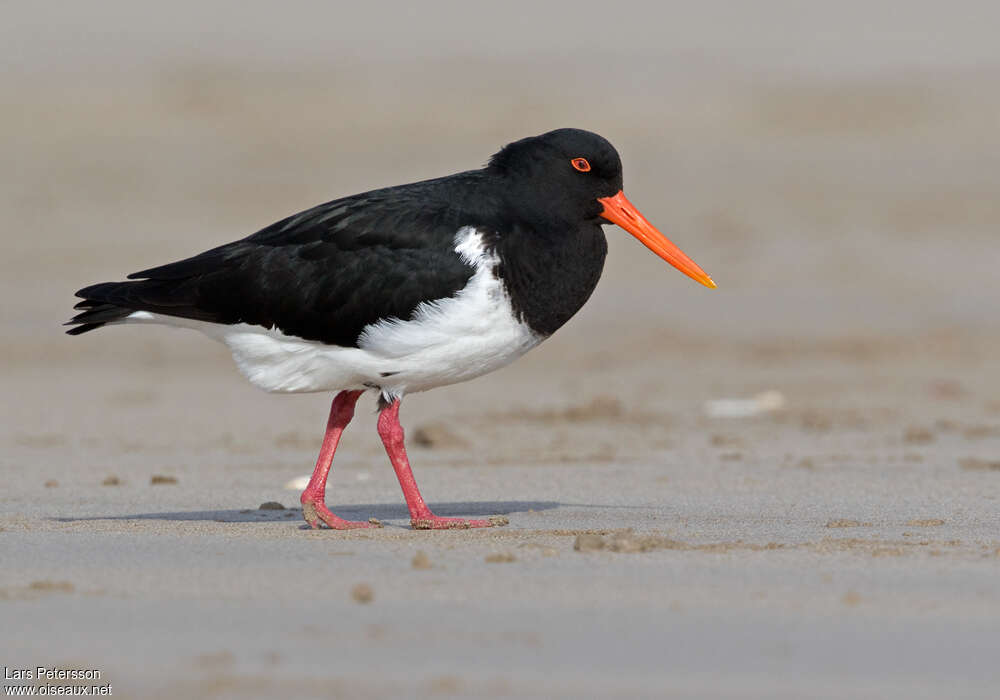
(575, 175)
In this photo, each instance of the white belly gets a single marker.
(447, 341)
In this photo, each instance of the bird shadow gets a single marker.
(363, 511)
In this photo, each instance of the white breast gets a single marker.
(446, 341)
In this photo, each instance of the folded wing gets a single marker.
(323, 274)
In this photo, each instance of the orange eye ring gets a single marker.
(581, 164)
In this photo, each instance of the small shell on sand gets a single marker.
(765, 402)
(299, 483)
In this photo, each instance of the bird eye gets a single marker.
(581, 164)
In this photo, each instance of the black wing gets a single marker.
(323, 274)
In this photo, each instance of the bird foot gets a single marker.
(434, 522)
(315, 511)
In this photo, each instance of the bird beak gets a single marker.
(618, 210)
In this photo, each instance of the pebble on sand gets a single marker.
(420, 560)
(975, 464)
(51, 484)
(500, 558)
(362, 593)
(843, 522)
(160, 479)
(925, 522)
(111, 481)
(270, 505)
(438, 435)
(918, 435)
(52, 586)
(851, 598)
(588, 542)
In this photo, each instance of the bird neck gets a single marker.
(549, 275)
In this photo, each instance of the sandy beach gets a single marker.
(837, 178)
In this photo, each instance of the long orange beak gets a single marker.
(618, 210)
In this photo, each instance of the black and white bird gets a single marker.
(401, 289)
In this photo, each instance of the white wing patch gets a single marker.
(446, 341)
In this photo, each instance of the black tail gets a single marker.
(108, 302)
(96, 309)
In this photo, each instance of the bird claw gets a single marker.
(314, 512)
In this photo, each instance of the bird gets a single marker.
(401, 289)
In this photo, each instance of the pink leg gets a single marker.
(314, 497)
(421, 517)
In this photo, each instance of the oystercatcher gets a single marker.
(401, 289)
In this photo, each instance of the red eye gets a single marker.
(581, 164)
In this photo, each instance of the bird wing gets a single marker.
(323, 274)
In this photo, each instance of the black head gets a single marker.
(569, 178)
(560, 174)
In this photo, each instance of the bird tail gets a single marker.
(97, 308)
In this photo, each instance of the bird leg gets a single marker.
(314, 497)
(421, 517)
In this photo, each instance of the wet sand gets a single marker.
(846, 544)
